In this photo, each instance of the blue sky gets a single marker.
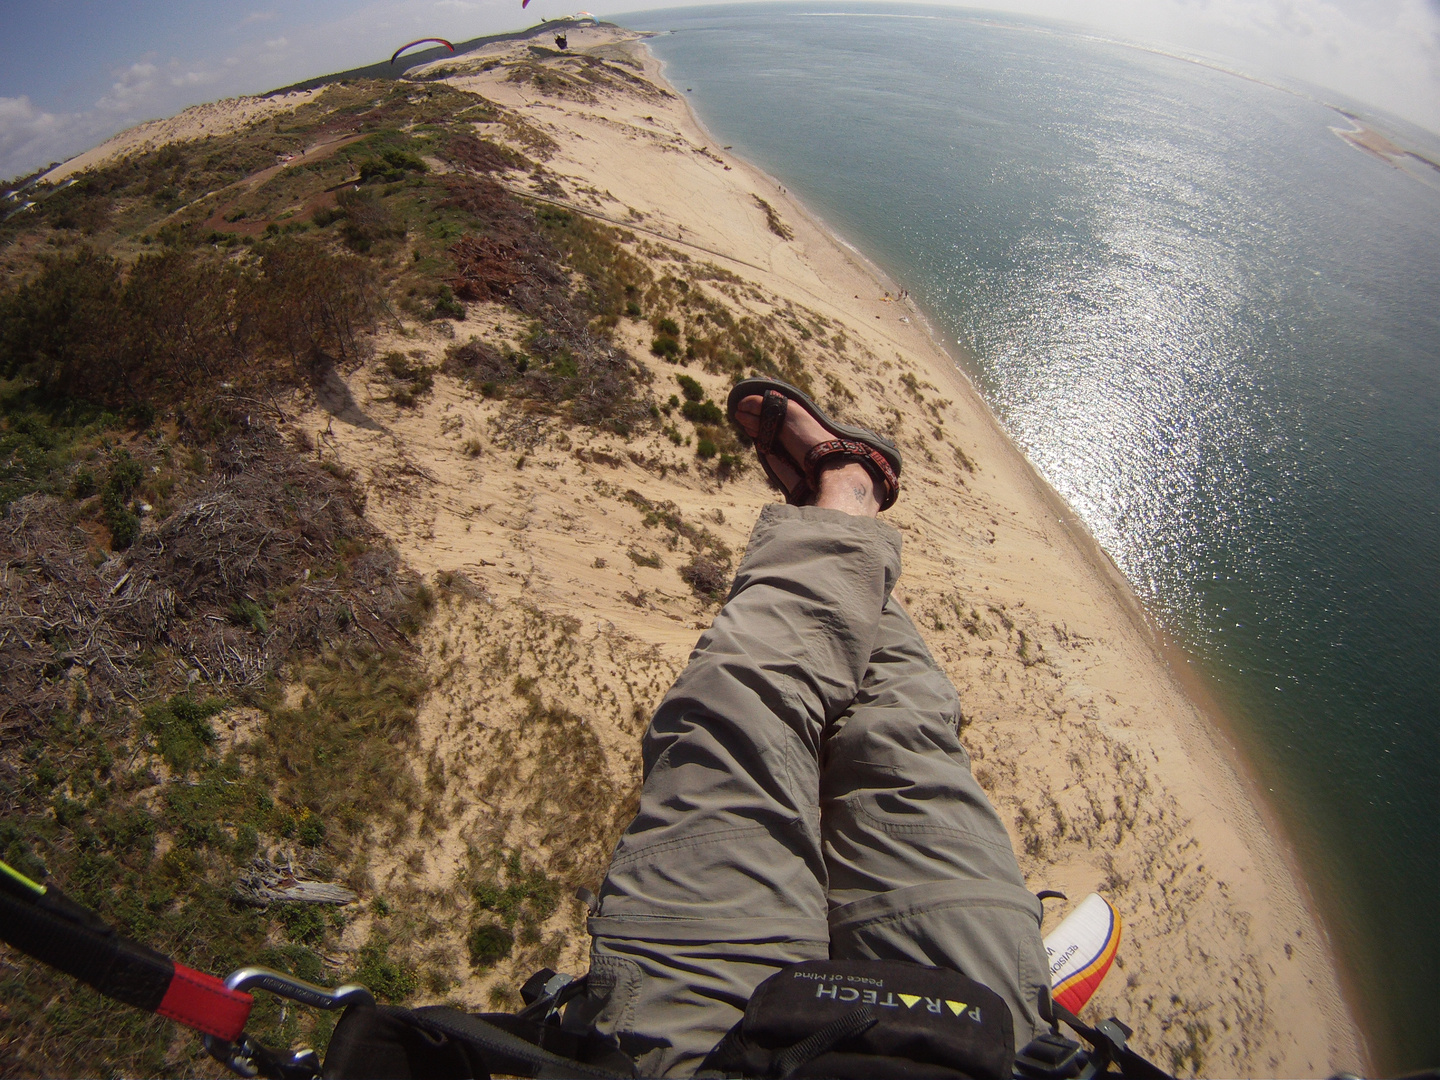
(74, 72)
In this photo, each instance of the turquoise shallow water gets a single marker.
(1214, 326)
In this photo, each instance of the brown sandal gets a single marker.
(879, 456)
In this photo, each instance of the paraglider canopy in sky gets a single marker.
(422, 41)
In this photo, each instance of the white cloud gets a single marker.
(1382, 52)
(25, 131)
(131, 88)
(276, 44)
(31, 137)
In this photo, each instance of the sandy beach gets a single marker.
(563, 615)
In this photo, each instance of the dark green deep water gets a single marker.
(1214, 326)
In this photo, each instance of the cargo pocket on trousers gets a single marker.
(608, 1005)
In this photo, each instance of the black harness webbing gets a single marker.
(43, 922)
(1110, 1047)
(372, 1042)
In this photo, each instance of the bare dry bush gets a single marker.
(265, 557)
(708, 577)
(484, 156)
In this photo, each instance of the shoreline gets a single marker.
(1211, 737)
(1214, 736)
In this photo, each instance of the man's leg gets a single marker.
(920, 866)
(720, 880)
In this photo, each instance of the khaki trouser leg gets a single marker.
(722, 878)
(920, 866)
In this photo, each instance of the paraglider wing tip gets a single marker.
(420, 41)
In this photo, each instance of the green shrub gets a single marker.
(249, 614)
(391, 165)
(702, 412)
(665, 347)
(123, 524)
(668, 328)
(644, 558)
(386, 979)
(446, 306)
(82, 484)
(185, 320)
(691, 388)
(410, 381)
(304, 923)
(312, 830)
(367, 220)
(182, 729)
(247, 842)
(489, 942)
(706, 448)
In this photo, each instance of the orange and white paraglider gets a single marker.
(1081, 950)
(421, 41)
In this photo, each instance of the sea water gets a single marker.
(1214, 327)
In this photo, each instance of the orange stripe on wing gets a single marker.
(1099, 964)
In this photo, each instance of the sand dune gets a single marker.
(196, 122)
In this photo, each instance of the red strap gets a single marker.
(204, 1003)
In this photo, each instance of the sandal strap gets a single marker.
(772, 418)
(773, 408)
(853, 450)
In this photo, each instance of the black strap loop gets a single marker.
(504, 1052)
(811, 1047)
(57, 931)
(1109, 1042)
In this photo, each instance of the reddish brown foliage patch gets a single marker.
(483, 156)
(488, 267)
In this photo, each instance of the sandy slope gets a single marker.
(196, 122)
(559, 637)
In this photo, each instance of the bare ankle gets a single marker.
(848, 488)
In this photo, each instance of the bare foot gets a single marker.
(846, 486)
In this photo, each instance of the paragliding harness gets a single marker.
(950, 1026)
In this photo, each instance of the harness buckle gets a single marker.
(248, 1058)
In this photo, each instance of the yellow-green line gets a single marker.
(19, 878)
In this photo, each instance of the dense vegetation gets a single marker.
(170, 558)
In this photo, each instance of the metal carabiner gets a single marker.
(249, 1058)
